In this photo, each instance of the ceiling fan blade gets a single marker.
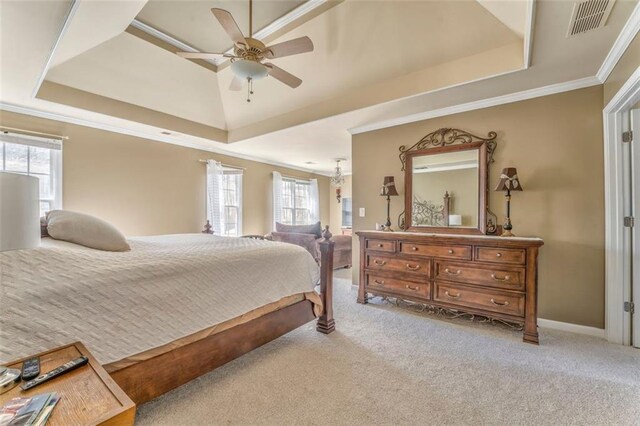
(285, 77)
(288, 48)
(236, 84)
(229, 24)
(198, 55)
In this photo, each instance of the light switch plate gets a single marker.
(361, 211)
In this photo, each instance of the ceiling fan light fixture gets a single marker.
(245, 69)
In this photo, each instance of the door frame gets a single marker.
(617, 322)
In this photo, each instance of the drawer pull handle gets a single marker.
(380, 245)
(452, 273)
(506, 277)
(413, 268)
(416, 288)
(380, 262)
(498, 254)
(450, 251)
(505, 303)
(379, 282)
(455, 296)
(414, 248)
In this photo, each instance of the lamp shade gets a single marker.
(509, 180)
(19, 211)
(389, 187)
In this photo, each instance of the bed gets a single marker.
(166, 312)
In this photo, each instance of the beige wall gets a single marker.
(629, 62)
(556, 144)
(145, 187)
(336, 208)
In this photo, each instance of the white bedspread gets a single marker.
(120, 304)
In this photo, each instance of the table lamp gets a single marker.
(19, 211)
(508, 182)
(388, 190)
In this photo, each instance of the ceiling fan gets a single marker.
(249, 54)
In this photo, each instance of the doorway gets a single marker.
(622, 202)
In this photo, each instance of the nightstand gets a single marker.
(88, 395)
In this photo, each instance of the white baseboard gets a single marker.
(573, 328)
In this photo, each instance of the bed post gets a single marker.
(326, 324)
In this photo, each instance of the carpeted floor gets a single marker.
(387, 365)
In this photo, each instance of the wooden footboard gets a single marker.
(155, 376)
(326, 324)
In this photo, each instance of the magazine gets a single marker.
(30, 411)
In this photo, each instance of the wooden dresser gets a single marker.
(492, 276)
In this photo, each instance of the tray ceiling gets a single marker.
(356, 44)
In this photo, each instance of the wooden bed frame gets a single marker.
(155, 376)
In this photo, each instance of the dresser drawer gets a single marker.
(488, 300)
(383, 263)
(446, 252)
(500, 255)
(509, 278)
(381, 245)
(398, 286)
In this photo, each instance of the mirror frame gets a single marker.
(452, 140)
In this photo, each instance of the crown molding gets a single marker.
(528, 32)
(626, 36)
(165, 37)
(144, 135)
(65, 26)
(483, 103)
(297, 13)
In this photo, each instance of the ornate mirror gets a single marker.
(446, 175)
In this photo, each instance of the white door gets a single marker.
(634, 296)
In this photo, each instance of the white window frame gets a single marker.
(295, 207)
(227, 172)
(55, 163)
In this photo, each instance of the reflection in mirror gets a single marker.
(445, 189)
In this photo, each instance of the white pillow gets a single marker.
(86, 230)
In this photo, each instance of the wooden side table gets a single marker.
(88, 395)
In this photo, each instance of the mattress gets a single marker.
(121, 304)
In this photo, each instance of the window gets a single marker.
(37, 157)
(224, 199)
(347, 217)
(296, 202)
(232, 190)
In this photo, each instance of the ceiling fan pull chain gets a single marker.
(249, 88)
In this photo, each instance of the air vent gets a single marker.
(589, 15)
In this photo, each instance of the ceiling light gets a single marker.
(337, 178)
(248, 69)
